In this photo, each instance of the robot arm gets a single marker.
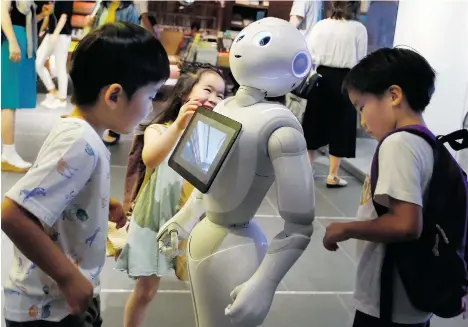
(295, 187)
(296, 202)
(180, 226)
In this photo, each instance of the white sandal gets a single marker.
(336, 182)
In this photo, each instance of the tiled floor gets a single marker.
(359, 166)
(315, 293)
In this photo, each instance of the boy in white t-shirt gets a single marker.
(57, 214)
(390, 88)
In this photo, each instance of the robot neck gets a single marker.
(247, 96)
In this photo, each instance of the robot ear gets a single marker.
(301, 64)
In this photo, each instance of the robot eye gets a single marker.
(240, 38)
(262, 39)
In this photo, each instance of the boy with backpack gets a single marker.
(412, 219)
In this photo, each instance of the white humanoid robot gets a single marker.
(233, 272)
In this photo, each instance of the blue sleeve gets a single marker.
(132, 15)
(64, 165)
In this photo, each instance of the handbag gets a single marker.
(307, 85)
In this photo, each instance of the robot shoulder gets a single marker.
(286, 141)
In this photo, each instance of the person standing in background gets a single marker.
(380, 23)
(110, 12)
(304, 15)
(19, 40)
(56, 42)
(145, 17)
(115, 11)
(154, 24)
(337, 44)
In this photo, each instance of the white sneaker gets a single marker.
(56, 104)
(49, 98)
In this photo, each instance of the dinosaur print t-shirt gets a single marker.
(67, 189)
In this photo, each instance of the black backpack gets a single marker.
(433, 268)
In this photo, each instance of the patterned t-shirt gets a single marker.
(67, 189)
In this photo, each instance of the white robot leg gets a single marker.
(219, 259)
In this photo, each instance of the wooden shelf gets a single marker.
(251, 6)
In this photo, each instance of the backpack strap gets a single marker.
(418, 130)
(388, 266)
(453, 139)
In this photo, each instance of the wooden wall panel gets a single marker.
(279, 9)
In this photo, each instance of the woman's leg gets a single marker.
(342, 126)
(11, 161)
(334, 166)
(43, 53)
(61, 56)
(144, 292)
(315, 114)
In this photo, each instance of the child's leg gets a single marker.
(144, 292)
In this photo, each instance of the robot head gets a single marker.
(270, 55)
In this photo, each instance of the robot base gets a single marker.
(219, 259)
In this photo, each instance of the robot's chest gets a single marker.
(258, 121)
(257, 117)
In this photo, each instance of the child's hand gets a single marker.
(334, 234)
(116, 213)
(186, 112)
(77, 291)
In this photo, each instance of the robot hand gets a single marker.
(251, 302)
(169, 236)
(179, 227)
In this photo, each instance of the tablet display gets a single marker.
(203, 147)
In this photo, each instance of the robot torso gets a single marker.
(247, 173)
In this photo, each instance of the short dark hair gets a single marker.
(152, 20)
(348, 10)
(119, 53)
(398, 66)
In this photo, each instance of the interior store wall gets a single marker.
(441, 36)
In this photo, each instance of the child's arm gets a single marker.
(27, 233)
(38, 200)
(405, 160)
(403, 223)
(158, 144)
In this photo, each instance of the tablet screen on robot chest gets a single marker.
(203, 147)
